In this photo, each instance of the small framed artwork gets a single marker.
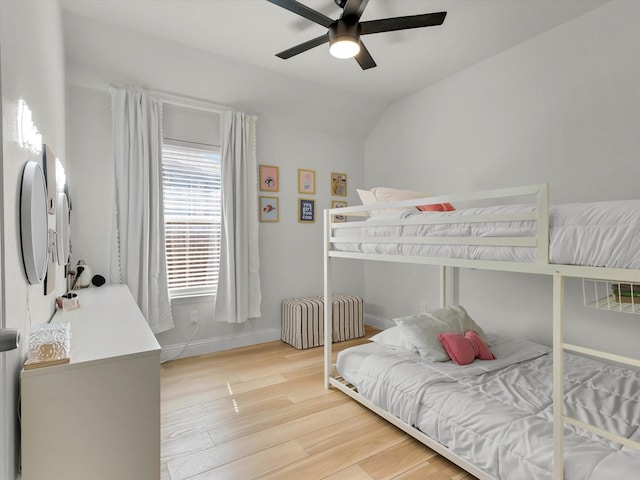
(339, 204)
(269, 209)
(306, 210)
(306, 181)
(339, 184)
(269, 178)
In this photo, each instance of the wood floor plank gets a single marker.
(231, 403)
(253, 466)
(434, 469)
(329, 437)
(262, 412)
(233, 450)
(254, 423)
(179, 447)
(199, 392)
(329, 460)
(405, 455)
(192, 424)
(353, 472)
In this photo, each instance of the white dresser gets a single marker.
(97, 417)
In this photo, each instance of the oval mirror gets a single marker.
(34, 227)
(62, 229)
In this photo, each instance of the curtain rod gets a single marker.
(186, 101)
(190, 102)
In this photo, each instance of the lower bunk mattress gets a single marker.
(498, 414)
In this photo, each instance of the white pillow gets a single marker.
(422, 330)
(366, 196)
(393, 337)
(387, 195)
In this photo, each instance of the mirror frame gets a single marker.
(62, 229)
(34, 225)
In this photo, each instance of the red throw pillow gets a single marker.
(464, 350)
(436, 207)
(480, 348)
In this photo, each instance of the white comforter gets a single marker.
(498, 414)
(605, 234)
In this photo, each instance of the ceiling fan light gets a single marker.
(344, 48)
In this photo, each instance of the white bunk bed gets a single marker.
(404, 241)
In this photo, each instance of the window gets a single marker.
(191, 181)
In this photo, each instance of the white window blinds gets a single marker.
(191, 182)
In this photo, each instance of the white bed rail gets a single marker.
(535, 194)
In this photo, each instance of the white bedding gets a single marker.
(605, 234)
(498, 414)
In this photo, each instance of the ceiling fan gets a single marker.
(343, 34)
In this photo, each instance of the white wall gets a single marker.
(289, 135)
(562, 108)
(190, 125)
(32, 69)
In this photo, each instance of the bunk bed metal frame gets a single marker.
(542, 266)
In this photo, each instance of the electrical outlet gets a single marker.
(193, 317)
(423, 307)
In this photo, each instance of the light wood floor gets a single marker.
(262, 412)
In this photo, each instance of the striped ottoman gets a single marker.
(303, 320)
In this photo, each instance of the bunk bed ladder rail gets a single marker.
(542, 224)
(559, 417)
(328, 308)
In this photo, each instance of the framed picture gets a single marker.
(269, 178)
(306, 210)
(339, 184)
(269, 209)
(306, 181)
(339, 204)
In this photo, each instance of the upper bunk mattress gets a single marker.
(598, 234)
(498, 414)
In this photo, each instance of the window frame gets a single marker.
(195, 291)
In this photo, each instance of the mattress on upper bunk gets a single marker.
(498, 414)
(602, 234)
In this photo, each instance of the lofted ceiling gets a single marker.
(253, 31)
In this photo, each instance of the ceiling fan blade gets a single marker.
(304, 11)
(303, 47)
(353, 10)
(364, 58)
(402, 23)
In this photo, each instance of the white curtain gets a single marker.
(238, 296)
(137, 240)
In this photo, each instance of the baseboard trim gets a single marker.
(219, 344)
(378, 322)
(212, 345)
